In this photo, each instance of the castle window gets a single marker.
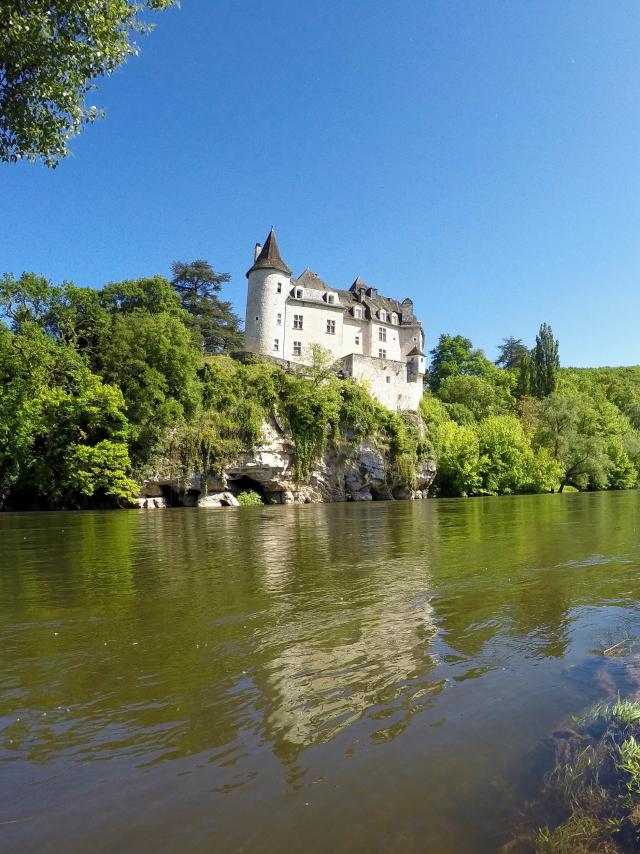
(279, 319)
(297, 321)
(276, 344)
(388, 378)
(394, 319)
(279, 288)
(357, 311)
(357, 339)
(298, 293)
(382, 333)
(331, 327)
(382, 354)
(382, 315)
(297, 348)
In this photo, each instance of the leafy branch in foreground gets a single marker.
(51, 52)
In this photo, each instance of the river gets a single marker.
(347, 677)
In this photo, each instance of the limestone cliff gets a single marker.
(360, 472)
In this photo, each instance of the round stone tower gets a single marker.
(269, 286)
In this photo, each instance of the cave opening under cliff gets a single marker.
(248, 484)
(171, 497)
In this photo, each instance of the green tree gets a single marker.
(454, 355)
(478, 395)
(545, 362)
(51, 52)
(198, 285)
(64, 432)
(507, 462)
(458, 459)
(568, 429)
(320, 364)
(524, 385)
(511, 352)
(153, 357)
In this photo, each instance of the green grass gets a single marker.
(594, 790)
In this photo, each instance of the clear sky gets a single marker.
(481, 157)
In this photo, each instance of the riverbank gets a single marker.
(107, 399)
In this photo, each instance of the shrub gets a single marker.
(249, 498)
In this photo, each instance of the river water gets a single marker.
(348, 677)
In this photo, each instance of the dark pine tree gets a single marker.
(198, 285)
(511, 352)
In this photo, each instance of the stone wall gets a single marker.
(386, 380)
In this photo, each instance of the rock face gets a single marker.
(353, 473)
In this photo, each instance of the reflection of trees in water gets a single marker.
(177, 630)
(521, 565)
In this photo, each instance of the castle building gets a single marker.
(373, 338)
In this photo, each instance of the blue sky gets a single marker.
(481, 157)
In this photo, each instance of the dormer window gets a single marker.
(382, 314)
(331, 298)
(298, 293)
(357, 312)
(394, 319)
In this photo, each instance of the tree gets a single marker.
(507, 462)
(524, 386)
(478, 395)
(51, 51)
(150, 353)
(198, 285)
(458, 459)
(511, 352)
(545, 362)
(320, 364)
(454, 355)
(63, 431)
(568, 428)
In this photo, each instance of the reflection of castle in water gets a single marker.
(346, 636)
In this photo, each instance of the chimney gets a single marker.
(256, 252)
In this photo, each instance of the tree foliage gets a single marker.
(545, 361)
(511, 353)
(97, 387)
(454, 355)
(198, 285)
(491, 435)
(51, 52)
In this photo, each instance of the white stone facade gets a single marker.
(373, 338)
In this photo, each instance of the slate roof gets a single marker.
(269, 257)
(349, 299)
(309, 279)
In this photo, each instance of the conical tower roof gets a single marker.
(269, 257)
